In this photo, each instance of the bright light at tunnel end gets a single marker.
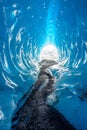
(49, 52)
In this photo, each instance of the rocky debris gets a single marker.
(35, 113)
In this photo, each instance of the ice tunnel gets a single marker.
(34, 31)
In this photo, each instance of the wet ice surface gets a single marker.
(8, 106)
(73, 99)
(69, 108)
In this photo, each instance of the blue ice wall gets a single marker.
(24, 29)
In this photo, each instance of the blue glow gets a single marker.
(25, 28)
(51, 21)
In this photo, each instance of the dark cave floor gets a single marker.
(35, 114)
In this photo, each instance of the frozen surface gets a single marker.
(25, 28)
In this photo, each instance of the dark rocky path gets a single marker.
(35, 113)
